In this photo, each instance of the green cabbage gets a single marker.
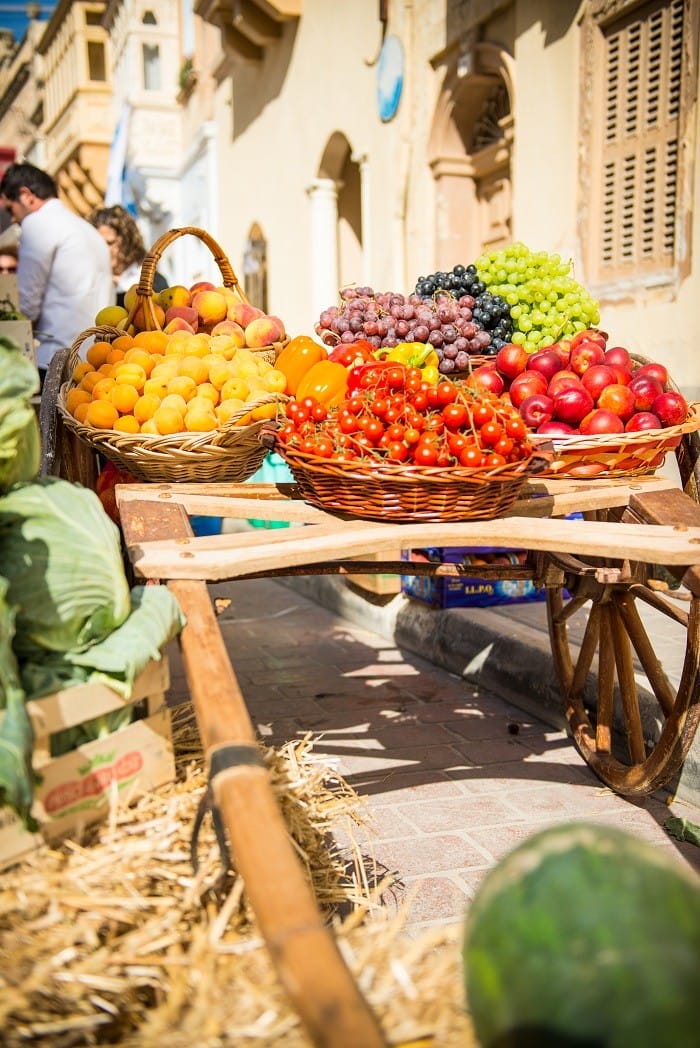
(62, 557)
(20, 445)
(17, 779)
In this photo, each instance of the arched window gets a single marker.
(255, 268)
(151, 67)
(149, 18)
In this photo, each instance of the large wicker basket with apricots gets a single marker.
(176, 385)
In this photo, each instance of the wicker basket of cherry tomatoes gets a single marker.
(398, 449)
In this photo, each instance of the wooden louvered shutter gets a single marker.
(639, 141)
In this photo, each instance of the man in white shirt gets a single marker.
(64, 273)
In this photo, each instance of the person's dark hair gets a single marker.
(33, 178)
(131, 247)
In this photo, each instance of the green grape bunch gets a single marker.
(546, 303)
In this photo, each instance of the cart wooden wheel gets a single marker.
(633, 714)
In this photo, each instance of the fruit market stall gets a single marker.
(486, 409)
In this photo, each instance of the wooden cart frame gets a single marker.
(601, 565)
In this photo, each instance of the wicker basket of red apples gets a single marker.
(603, 410)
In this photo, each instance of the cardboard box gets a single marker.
(465, 591)
(80, 786)
(19, 331)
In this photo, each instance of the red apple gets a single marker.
(619, 399)
(618, 355)
(570, 405)
(536, 409)
(655, 370)
(646, 389)
(596, 378)
(511, 360)
(585, 355)
(590, 335)
(622, 375)
(555, 428)
(642, 420)
(485, 379)
(563, 380)
(601, 421)
(563, 349)
(525, 385)
(545, 361)
(671, 408)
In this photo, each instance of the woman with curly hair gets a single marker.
(127, 250)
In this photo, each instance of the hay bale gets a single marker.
(116, 940)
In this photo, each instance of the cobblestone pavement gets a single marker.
(453, 777)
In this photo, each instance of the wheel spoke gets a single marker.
(661, 603)
(588, 650)
(627, 685)
(606, 683)
(643, 647)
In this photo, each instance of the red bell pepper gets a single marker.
(351, 354)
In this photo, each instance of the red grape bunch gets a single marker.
(385, 319)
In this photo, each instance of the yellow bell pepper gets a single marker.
(414, 355)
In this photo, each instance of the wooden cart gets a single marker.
(601, 565)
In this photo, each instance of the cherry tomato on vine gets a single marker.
(471, 457)
(425, 453)
(419, 400)
(446, 392)
(455, 415)
(396, 431)
(319, 412)
(373, 428)
(504, 446)
(324, 446)
(493, 461)
(411, 435)
(347, 422)
(297, 412)
(491, 433)
(516, 428)
(396, 377)
(482, 413)
(397, 451)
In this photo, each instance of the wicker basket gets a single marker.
(408, 494)
(230, 453)
(144, 288)
(616, 454)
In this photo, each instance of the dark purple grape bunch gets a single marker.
(489, 313)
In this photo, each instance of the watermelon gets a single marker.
(585, 935)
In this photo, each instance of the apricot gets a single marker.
(201, 285)
(143, 319)
(178, 324)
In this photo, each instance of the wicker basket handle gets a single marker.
(150, 262)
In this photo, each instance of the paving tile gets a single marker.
(463, 813)
(413, 857)
(434, 900)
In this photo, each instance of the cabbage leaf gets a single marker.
(20, 445)
(17, 779)
(62, 557)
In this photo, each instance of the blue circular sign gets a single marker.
(389, 77)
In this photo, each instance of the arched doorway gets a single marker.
(336, 196)
(470, 155)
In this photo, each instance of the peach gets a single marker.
(261, 332)
(202, 285)
(279, 323)
(187, 313)
(178, 324)
(211, 307)
(230, 328)
(243, 313)
(177, 295)
(139, 318)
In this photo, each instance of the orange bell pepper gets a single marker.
(297, 357)
(326, 381)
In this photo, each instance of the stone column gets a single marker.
(323, 193)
